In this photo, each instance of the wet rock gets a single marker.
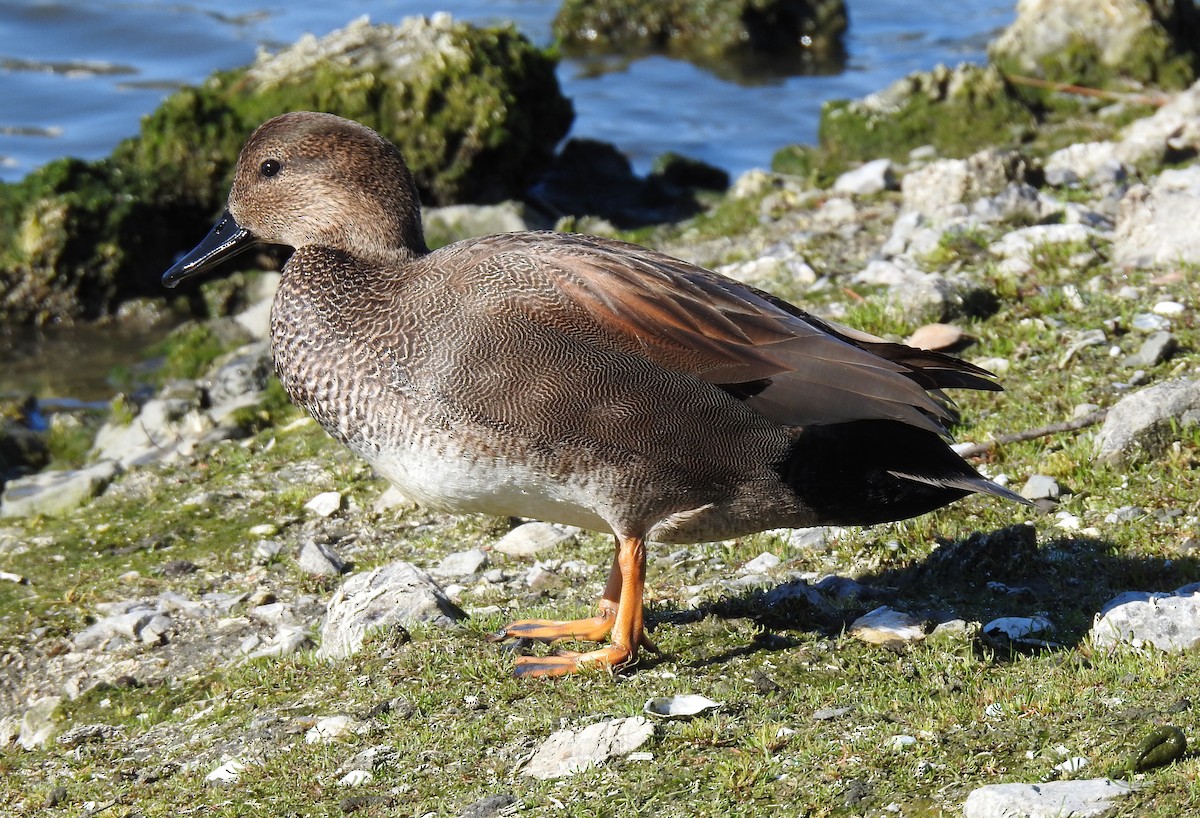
(395, 594)
(875, 176)
(1155, 221)
(1092, 43)
(567, 752)
(56, 492)
(1091, 798)
(529, 539)
(1154, 350)
(1168, 622)
(800, 36)
(1143, 423)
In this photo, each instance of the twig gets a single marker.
(1090, 419)
(1156, 100)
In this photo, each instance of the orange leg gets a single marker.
(592, 629)
(626, 583)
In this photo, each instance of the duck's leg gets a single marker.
(626, 625)
(592, 629)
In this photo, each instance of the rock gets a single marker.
(1089, 162)
(1018, 628)
(166, 429)
(803, 36)
(1168, 622)
(332, 728)
(946, 188)
(875, 176)
(936, 337)
(451, 223)
(237, 379)
(1091, 798)
(325, 503)
(492, 806)
(1154, 350)
(1143, 423)
(82, 734)
(1155, 221)
(396, 594)
(319, 559)
(1174, 129)
(567, 752)
(37, 722)
(56, 492)
(1099, 44)
(528, 539)
(226, 773)
(926, 297)
(680, 706)
(461, 564)
(1040, 487)
(1024, 242)
(886, 626)
(761, 564)
(778, 268)
(356, 778)
(956, 110)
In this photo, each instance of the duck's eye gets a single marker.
(270, 167)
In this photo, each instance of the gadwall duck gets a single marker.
(574, 379)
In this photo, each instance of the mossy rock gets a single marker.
(958, 111)
(1106, 44)
(477, 113)
(728, 36)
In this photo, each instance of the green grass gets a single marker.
(459, 726)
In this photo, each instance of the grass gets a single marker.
(457, 726)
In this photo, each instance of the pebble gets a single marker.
(1148, 322)
(1041, 487)
(331, 728)
(1154, 350)
(356, 778)
(682, 706)
(226, 773)
(529, 539)
(325, 503)
(318, 559)
(1169, 308)
(875, 176)
(1018, 628)
(461, 564)
(567, 752)
(56, 492)
(886, 626)
(936, 337)
(761, 564)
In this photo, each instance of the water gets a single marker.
(76, 76)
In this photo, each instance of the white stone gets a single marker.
(762, 563)
(528, 539)
(226, 773)
(1091, 798)
(873, 177)
(1168, 622)
(885, 625)
(325, 503)
(56, 492)
(567, 752)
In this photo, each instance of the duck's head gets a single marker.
(307, 178)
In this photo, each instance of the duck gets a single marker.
(575, 379)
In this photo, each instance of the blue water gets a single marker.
(75, 77)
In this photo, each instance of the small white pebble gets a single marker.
(325, 503)
(356, 778)
(1169, 308)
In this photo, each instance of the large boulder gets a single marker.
(476, 111)
(1101, 43)
(772, 36)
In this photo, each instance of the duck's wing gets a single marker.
(784, 363)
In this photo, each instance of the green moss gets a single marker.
(189, 350)
(956, 111)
